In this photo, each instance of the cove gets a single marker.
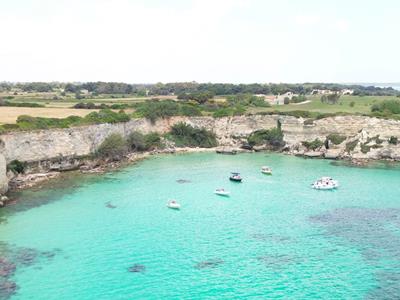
(111, 236)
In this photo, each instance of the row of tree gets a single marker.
(181, 88)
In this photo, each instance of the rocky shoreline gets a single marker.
(98, 166)
(84, 166)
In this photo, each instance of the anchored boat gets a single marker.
(235, 177)
(222, 192)
(325, 183)
(173, 204)
(266, 170)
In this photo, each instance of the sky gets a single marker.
(237, 41)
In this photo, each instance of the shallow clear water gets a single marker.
(274, 237)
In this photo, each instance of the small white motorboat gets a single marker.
(325, 183)
(222, 192)
(173, 204)
(266, 170)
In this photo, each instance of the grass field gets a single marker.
(9, 115)
(362, 105)
(63, 107)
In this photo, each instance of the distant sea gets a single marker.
(395, 85)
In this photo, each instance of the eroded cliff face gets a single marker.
(369, 136)
(230, 131)
(3, 175)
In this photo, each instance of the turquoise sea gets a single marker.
(111, 236)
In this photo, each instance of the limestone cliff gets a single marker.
(369, 135)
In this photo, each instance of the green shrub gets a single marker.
(155, 109)
(352, 103)
(229, 111)
(388, 106)
(152, 141)
(309, 122)
(272, 137)
(190, 110)
(378, 140)
(350, 146)
(106, 116)
(136, 141)
(393, 140)
(185, 135)
(336, 138)
(315, 144)
(16, 166)
(20, 104)
(113, 147)
(365, 148)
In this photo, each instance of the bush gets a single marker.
(229, 111)
(336, 138)
(298, 99)
(155, 109)
(352, 103)
(272, 137)
(20, 104)
(315, 144)
(136, 141)
(106, 116)
(393, 140)
(365, 148)
(190, 110)
(185, 135)
(247, 100)
(350, 146)
(388, 106)
(309, 122)
(16, 166)
(152, 140)
(113, 147)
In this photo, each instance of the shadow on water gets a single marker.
(13, 258)
(47, 192)
(375, 232)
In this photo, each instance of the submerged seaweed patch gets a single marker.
(212, 263)
(367, 229)
(183, 181)
(12, 258)
(137, 268)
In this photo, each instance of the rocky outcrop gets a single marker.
(3, 175)
(59, 149)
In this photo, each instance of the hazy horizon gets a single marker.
(226, 41)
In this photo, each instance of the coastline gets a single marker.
(97, 166)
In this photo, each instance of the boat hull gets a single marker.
(235, 179)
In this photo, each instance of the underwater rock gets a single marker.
(183, 181)
(6, 268)
(209, 263)
(7, 289)
(276, 261)
(26, 256)
(137, 268)
(109, 205)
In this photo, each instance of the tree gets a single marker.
(331, 98)
(113, 147)
(136, 141)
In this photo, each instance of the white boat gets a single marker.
(266, 170)
(325, 183)
(222, 192)
(173, 204)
